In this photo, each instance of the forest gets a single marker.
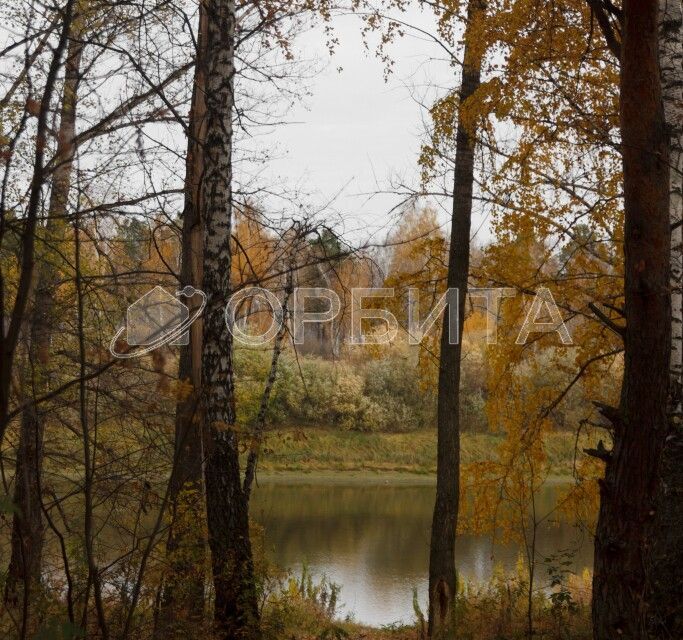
(356, 319)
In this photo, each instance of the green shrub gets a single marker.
(377, 395)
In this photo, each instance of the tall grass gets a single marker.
(315, 449)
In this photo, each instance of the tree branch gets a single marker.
(599, 10)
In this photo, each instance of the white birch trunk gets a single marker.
(666, 543)
(236, 613)
(671, 66)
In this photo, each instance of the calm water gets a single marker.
(373, 540)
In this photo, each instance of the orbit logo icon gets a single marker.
(156, 319)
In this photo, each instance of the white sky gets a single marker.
(357, 132)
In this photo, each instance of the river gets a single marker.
(372, 538)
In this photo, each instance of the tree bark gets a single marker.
(666, 560)
(25, 564)
(260, 426)
(235, 609)
(10, 338)
(671, 72)
(442, 573)
(183, 596)
(628, 492)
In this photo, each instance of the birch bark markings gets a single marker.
(671, 73)
(236, 610)
(666, 560)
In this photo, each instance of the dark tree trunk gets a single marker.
(227, 505)
(627, 496)
(183, 597)
(25, 564)
(442, 574)
(9, 338)
(665, 563)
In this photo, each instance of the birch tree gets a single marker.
(666, 595)
(236, 612)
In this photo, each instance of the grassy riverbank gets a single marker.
(321, 452)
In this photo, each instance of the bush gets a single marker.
(388, 394)
(382, 395)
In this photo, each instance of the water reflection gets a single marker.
(374, 541)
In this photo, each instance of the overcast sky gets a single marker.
(357, 132)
